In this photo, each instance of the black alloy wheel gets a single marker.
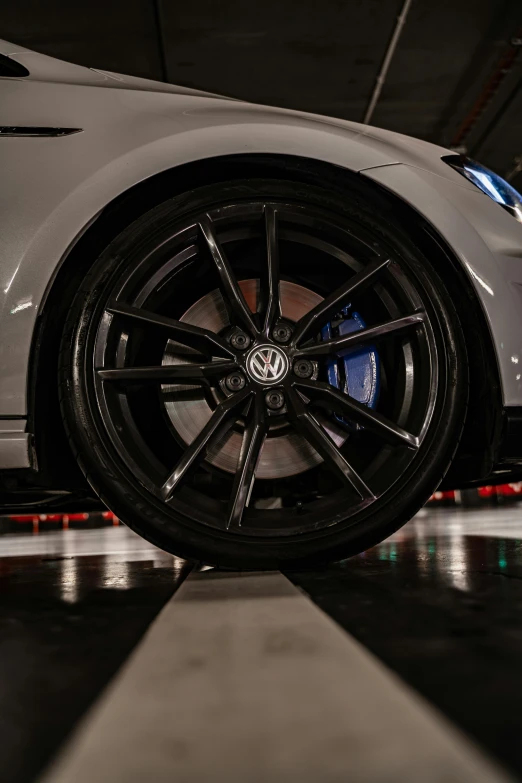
(196, 375)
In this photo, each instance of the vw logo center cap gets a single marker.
(267, 364)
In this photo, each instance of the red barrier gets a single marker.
(64, 519)
(487, 494)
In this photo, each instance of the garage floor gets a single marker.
(120, 664)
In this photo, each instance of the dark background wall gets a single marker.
(455, 78)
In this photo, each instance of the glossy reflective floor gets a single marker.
(73, 606)
(440, 603)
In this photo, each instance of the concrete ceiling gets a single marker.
(317, 56)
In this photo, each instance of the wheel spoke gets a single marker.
(221, 420)
(346, 406)
(353, 340)
(269, 280)
(253, 439)
(330, 306)
(232, 294)
(169, 373)
(308, 425)
(201, 340)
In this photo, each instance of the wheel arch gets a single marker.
(57, 467)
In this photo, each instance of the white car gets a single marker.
(261, 337)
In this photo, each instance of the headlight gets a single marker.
(489, 183)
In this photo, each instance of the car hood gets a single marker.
(50, 69)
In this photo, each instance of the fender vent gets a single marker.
(11, 68)
(18, 130)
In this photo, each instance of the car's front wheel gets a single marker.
(264, 374)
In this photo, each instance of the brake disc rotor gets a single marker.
(282, 455)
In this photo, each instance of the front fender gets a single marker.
(54, 187)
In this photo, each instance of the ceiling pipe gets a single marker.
(158, 22)
(488, 92)
(390, 51)
(516, 169)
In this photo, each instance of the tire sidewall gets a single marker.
(162, 525)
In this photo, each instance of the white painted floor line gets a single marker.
(243, 679)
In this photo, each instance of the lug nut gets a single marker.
(274, 400)
(282, 333)
(235, 381)
(303, 368)
(240, 340)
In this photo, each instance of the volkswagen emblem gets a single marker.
(267, 364)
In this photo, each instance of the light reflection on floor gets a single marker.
(457, 544)
(436, 538)
(111, 558)
(499, 522)
(75, 603)
(440, 603)
(118, 543)
(427, 530)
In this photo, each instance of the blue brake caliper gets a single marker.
(358, 372)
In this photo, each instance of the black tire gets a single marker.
(355, 210)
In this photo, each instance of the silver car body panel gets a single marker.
(488, 242)
(132, 129)
(15, 445)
